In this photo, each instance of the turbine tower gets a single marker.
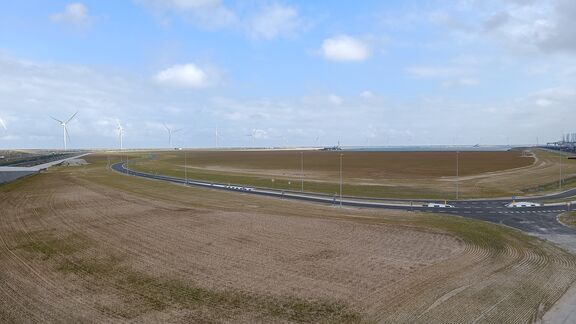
(65, 129)
(218, 137)
(120, 134)
(252, 136)
(170, 133)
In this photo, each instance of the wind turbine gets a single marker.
(252, 135)
(170, 133)
(3, 124)
(218, 137)
(65, 129)
(120, 134)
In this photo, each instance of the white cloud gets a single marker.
(275, 20)
(326, 100)
(522, 26)
(462, 82)
(554, 96)
(185, 4)
(205, 13)
(184, 76)
(367, 95)
(268, 21)
(435, 71)
(344, 48)
(32, 91)
(335, 100)
(260, 134)
(74, 13)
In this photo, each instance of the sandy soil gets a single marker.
(76, 247)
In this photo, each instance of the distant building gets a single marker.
(331, 148)
(566, 144)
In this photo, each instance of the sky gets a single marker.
(287, 73)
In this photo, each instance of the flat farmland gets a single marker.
(372, 174)
(85, 244)
(359, 165)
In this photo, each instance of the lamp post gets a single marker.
(302, 170)
(341, 155)
(457, 174)
(560, 181)
(186, 166)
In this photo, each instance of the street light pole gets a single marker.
(560, 181)
(457, 175)
(341, 155)
(302, 170)
(186, 166)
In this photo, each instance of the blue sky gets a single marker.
(287, 72)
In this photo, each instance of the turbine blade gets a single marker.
(69, 119)
(58, 120)
(3, 124)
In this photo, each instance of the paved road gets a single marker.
(534, 220)
(11, 173)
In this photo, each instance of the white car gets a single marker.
(436, 205)
(521, 204)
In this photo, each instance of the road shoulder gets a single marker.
(563, 312)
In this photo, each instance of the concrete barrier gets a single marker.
(10, 174)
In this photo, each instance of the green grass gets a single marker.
(14, 184)
(552, 186)
(569, 219)
(48, 246)
(491, 237)
(94, 266)
(143, 293)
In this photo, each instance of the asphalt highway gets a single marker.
(535, 220)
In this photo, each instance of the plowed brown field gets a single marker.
(430, 175)
(88, 245)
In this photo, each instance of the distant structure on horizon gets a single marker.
(566, 144)
(332, 148)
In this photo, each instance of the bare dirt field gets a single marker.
(374, 174)
(84, 244)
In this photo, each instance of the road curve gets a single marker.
(534, 220)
